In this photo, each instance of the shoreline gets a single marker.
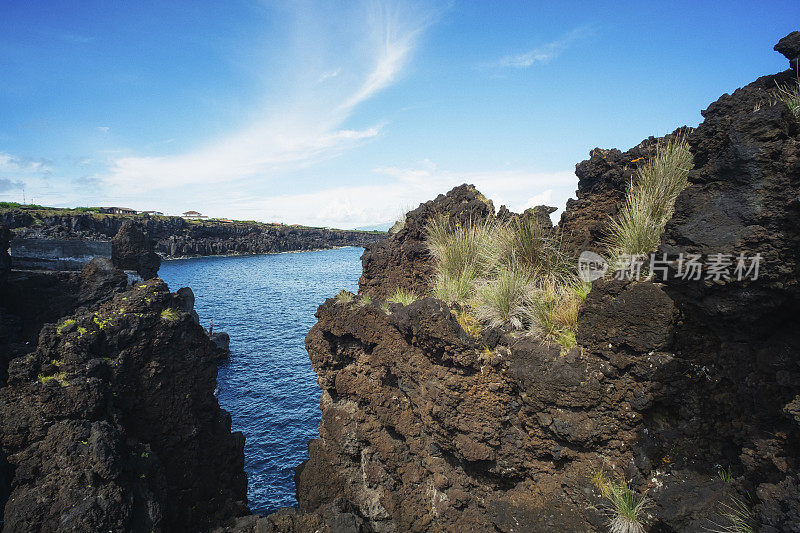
(182, 257)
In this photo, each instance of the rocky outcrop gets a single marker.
(133, 249)
(743, 198)
(789, 46)
(427, 428)
(176, 237)
(602, 182)
(401, 261)
(111, 423)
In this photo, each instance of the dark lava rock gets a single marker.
(5, 257)
(221, 340)
(112, 425)
(743, 198)
(401, 261)
(602, 181)
(637, 316)
(133, 249)
(176, 237)
(789, 46)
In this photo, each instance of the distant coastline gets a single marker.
(177, 237)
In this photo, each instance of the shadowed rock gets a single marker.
(133, 249)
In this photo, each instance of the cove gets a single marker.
(267, 304)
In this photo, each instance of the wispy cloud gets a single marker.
(17, 172)
(8, 185)
(309, 127)
(544, 53)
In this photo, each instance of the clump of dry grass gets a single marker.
(460, 254)
(507, 274)
(650, 201)
(554, 311)
(502, 299)
(789, 95)
(523, 244)
(735, 517)
(626, 508)
(403, 297)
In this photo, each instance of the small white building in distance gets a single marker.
(118, 210)
(193, 215)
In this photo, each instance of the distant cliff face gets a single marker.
(176, 237)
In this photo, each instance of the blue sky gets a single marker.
(345, 114)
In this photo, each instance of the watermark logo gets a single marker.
(686, 266)
(591, 266)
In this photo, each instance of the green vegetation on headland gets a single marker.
(39, 212)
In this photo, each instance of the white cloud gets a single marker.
(544, 53)
(309, 126)
(103, 129)
(543, 198)
(398, 189)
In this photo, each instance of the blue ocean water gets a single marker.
(267, 303)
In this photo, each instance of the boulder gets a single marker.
(789, 46)
(133, 249)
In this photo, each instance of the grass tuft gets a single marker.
(650, 201)
(735, 517)
(626, 508)
(789, 95)
(460, 254)
(502, 299)
(468, 323)
(513, 273)
(554, 309)
(403, 297)
(170, 315)
(344, 297)
(524, 245)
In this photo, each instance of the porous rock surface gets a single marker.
(111, 423)
(401, 261)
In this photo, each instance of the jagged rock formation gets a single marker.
(176, 237)
(690, 390)
(743, 198)
(133, 249)
(602, 181)
(108, 420)
(789, 46)
(111, 424)
(401, 261)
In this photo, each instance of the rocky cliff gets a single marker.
(108, 420)
(176, 237)
(689, 389)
